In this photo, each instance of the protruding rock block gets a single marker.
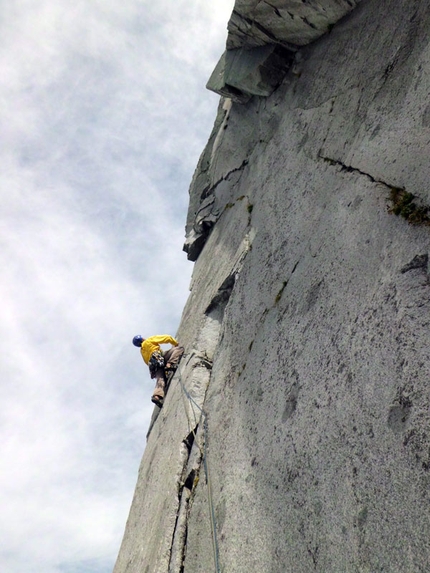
(204, 221)
(256, 23)
(262, 40)
(242, 73)
(310, 300)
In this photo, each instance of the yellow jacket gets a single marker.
(152, 344)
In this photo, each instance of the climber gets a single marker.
(160, 363)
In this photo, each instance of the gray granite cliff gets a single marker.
(306, 380)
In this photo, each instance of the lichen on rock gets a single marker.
(310, 302)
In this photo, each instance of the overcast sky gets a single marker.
(104, 116)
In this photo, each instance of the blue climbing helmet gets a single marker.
(137, 340)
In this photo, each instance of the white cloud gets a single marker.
(104, 116)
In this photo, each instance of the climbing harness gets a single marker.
(155, 363)
(207, 473)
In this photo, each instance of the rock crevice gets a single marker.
(307, 325)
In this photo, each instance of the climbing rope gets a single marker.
(206, 466)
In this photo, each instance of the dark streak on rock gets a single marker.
(223, 294)
(267, 33)
(418, 262)
(308, 23)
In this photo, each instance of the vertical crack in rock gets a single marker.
(186, 489)
(193, 445)
(221, 298)
(329, 423)
(313, 552)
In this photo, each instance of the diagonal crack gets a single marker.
(350, 169)
(227, 175)
(253, 23)
(418, 262)
(208, 191)
(308, 23)
(285, 283)
(274, 8)
(403, 203)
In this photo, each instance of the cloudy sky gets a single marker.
(104, 113)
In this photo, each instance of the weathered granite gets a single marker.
(287, 22)
(307, 326)
(242, 73)
(263, 38)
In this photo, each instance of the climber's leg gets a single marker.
(160, 384)
(172, 357)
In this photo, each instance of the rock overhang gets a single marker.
(263, 38)
(263, 43)
(310, 299)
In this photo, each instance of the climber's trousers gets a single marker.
(172, 357)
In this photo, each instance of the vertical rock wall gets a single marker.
(307, 327)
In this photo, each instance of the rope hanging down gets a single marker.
(207, 473)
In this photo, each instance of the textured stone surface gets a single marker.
(243, 73)
(307, 326)
(263, 38)
(286, 22)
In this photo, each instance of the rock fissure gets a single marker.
(318, 410)
(209, 213)
(194, 446)
(285, 284)
(276, 11)
(223, 294)
(308, 23)
(351, 169)
(418, 262)
(248, 31)
(403, 203)
(227, 175)
(186, 489)
(313, 552)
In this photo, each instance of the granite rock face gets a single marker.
(287, 22)
(263, 38)
(307, 329)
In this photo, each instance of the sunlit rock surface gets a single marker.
(307, 327)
